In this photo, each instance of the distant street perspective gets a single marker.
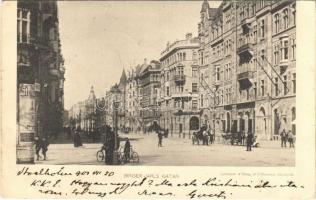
(177, 152)
(212, 83)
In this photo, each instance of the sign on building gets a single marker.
(26, 123)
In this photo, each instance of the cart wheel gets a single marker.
(100, 156)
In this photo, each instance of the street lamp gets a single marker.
(116, 104)
(115, 153)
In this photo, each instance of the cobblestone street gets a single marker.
(178, 152)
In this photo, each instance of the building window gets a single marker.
(255, 33)
(262, 88)
(202, 100)
(262, 29)
(276, 86)
(194, 104)
(285, 19)
(294, 14)
(285, 49)
(23, 25)
(255, 89)
(194, 72)
(285, 85)
(276, 23)
(293, 49)
(217, 73)
(294, 83)
(275, 53)
(168, 91)
(194, 87)
(202, 58)
(262, 54)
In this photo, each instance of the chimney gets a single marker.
(145, 61)
(188, 36)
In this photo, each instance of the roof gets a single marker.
(123, 78)
(205, 6)
(91, 94)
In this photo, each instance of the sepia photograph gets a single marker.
(156, 83)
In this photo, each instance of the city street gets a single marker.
(178, 152)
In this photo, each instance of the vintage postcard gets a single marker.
(158, 99)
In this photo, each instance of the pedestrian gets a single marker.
(205, 137)
(209, 136)
(127, 150)
(159, 139)
(243, 137)
(249, 141)
(283, 138)
(44, 145)
(37, 142)
(77, 139)
(291, 138)
(212, 135)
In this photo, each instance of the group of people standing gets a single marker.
(41, 144)
(287, 137)
(208, 136)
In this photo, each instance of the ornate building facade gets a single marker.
(40, 74)
(249, 51)
(148, 84)
(179, 81)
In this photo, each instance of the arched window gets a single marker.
(228, 122)
(276, 23)
(194, 123)
(285, 18)
(294, 13)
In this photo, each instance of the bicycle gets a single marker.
(101, 154)
(133, 157)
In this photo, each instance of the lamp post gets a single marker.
(115, 153)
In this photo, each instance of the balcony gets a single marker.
(179, 79)
(244, 79)
(245, 25)
(245, 50)
(31, 40)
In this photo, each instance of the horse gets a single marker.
(198, 135)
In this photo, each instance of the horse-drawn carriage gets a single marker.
(200, 136)
(238, 138)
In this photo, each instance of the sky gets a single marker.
(100, 38)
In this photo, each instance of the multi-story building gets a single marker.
(82, 115)
(117, 93)
(132, 102)
(148, 80)
(179, 81)
(40, 74)
(251, 57)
